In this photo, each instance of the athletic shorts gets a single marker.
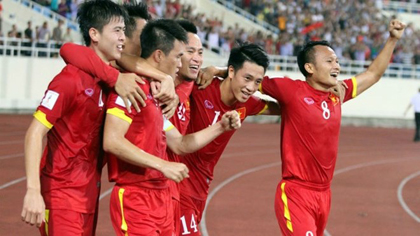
(68, 223)
(302, 210)
(191, 213)
(141, 211)
(176, 205)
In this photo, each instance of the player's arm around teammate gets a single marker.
(116, 143)
(189, 143)
(125, 84)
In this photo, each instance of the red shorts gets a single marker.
(141, 211)
(302, 210)
(191, 213)
(66, 222)
(176, 205)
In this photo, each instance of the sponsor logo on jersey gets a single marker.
(309, 101)
(242, 112)
(208, 104)
(89, 92)
(50, 99)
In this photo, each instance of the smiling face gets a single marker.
(171, 63)
(108, 44)
(192, 58)
(324, 71)
(245, 81)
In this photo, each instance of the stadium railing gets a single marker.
(50, 49)
(401, 7)
(25, 47)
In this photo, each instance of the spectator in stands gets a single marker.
(63, 8)
(73, 10)
(415, 103)
(67, 37)
(44, 35)
(57, 36)
(13, 32)
(28, 35)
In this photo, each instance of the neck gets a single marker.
(99, 53)
(226, 93)
(316, 85)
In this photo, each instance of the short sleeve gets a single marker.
(58, 98)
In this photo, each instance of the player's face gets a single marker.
(192, 58)
(111, 40)
(326, 69)
(171, 63)
(135, 37)
(246, 80)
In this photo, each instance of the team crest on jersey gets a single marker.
(242, 112)
(309, 101)
(50, 99)
(208, 104)
(334, 99)
(89, 92)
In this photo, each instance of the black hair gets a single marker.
(135, 10)
(96, 14)
(188, 26)
(307, 54)
(161, 34)
(248, 52)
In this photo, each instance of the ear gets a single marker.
(94, 35)
(231, 72)
(309, 67)
(158, 56)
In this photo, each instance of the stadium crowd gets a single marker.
(356, 29)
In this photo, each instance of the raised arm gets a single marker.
(376, 69)
(86, 59)
(116, 143)
(33, 211)
(189, 143)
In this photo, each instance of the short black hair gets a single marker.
(135, 10)
(248, 52)
(161, 34)
(96, 14)
(307, 54)
(188, 26)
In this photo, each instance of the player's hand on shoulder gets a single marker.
(205, 76)
(396, 28)
(231, 120)
(128, 89)
(175, 171)
(165, 90)
(169, 109)
(33, 211)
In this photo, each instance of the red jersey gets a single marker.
(73, 109)
(90, 62)
(206, 109)
(180, 120)
(310, 125)
(146, 131)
